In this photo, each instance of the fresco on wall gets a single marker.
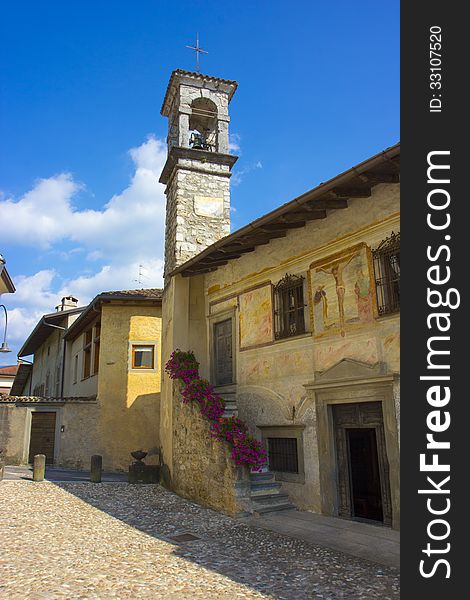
(330, 353)
(256, 317)
(342, 290)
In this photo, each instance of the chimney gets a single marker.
(67, 303)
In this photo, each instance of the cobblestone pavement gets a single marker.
(113, 540)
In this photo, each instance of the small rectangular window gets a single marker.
(143, 357)
(283, 456)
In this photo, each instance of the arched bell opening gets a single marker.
(203, 125)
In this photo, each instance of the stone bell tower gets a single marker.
(198, 167)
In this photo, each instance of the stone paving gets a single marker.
(113, 540)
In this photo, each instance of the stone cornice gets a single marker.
(201, 156)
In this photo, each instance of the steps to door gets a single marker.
(265, 491)
(266, 495)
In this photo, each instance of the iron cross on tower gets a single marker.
(198, 51)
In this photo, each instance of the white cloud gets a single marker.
(126, 225)
(109, 244)
(234, 143)
(239, 175)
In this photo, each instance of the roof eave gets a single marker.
(315, 193)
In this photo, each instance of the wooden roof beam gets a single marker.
(332, 203)
(302, 215)
(362, 192)
(280, 226)
(375, 178)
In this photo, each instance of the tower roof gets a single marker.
(178, 76)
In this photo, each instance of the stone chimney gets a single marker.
(67, 303)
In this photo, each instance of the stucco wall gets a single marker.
(202, 467)
(12, 433)
(48, 359)
(129, 401)
(271, 374)
(74, 445)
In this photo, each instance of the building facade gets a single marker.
(94, 385)
(295, 318)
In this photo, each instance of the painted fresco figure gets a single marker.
(337, 271)
(363, 297)
(320, 309)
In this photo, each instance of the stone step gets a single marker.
(262, 477)
(268, 499)
(262, 510)
(264, 488)
(230, 413)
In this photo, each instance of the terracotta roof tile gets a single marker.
(9, 370)
(142, 293)
(46, 400)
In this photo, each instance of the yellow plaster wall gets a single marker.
(129, 401)
(271, 378)
(82, 387)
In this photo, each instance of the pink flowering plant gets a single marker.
(201, 391)
(182, 365)
(246, 449)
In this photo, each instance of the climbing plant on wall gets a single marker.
(246, 449)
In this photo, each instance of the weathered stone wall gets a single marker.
(202, 467)
(198, 210)
(12, 433)
(74, 445)
(80, 438)
(185, 90)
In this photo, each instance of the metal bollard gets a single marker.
(39, 467)
(96, 467)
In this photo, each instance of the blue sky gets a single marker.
(82, 139)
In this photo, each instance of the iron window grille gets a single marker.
(289, 317)
(387, 274)
(283, 456)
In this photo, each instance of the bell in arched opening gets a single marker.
(203, 125)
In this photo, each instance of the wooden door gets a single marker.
(223, 364)
(42, 435)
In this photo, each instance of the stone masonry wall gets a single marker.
(198, 211)
(203, 470)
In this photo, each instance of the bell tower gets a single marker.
(198, 168)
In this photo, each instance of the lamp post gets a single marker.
(4, 347)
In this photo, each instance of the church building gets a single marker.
(294, 318)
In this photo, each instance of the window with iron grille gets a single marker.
(387, 274)
(289, 317)
(283, 455)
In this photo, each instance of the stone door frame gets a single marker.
(351, 382)
(342, 424)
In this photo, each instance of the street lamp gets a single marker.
(4, 347)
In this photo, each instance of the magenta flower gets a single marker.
(246, 449)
